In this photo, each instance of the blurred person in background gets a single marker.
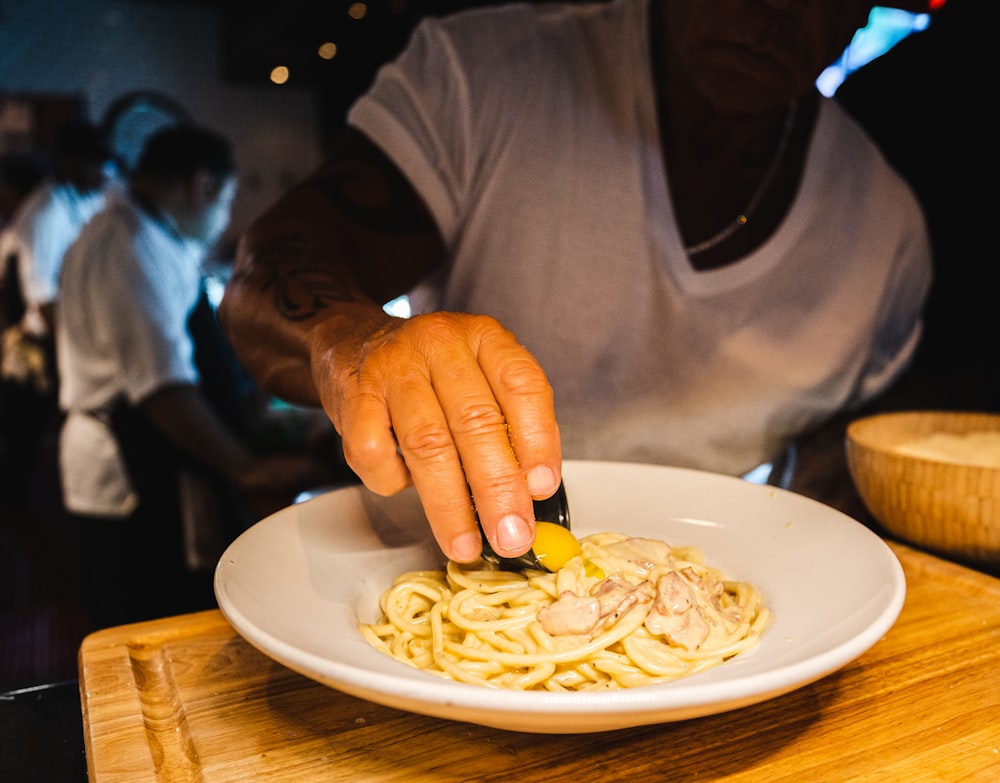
(640, 215)
(137, 417)
(20, 176)
(32, 248)
(52, 216)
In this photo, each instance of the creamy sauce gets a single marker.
(671, 602)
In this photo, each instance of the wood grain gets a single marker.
(943, 506)
(186, 699)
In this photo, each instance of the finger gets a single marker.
(369, 443)
(526, 399)
(478, 429)
(432, 459)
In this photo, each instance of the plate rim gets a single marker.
(678, 700)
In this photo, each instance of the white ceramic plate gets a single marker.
(297, 584)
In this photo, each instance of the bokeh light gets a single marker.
(279, 74)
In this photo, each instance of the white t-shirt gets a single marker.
(44, 226)
(531, 133)
(128, 286)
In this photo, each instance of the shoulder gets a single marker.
(836, 125)
(506, 34)
(839, 134)
(481, 69)
(502, 23)
(58, 201)
(103, 243)
(116, 222)
(848, 153)
(37, 204)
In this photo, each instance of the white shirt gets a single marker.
(128, 286)
(40, 232)
(531, 133)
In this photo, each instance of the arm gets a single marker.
(445, 401)
(182, 414)
(185, 418)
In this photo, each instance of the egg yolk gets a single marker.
(554, 545)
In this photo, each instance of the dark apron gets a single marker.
(152, 461)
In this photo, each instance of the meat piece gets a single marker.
(609, 600)
(570, 614)
(673, 594)
(610, 593)
(617, 597)
(675, 613)
(694, 578)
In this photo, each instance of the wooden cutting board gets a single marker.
(186, 699)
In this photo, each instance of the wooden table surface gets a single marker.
(187, 699)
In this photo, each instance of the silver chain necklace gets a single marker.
(744, 217)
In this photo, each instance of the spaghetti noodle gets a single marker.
(625, 612)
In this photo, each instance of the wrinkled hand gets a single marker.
(450, 403)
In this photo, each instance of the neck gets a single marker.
(709, 127)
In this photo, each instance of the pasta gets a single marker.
(625, 612)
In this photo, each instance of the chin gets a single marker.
(738, 94)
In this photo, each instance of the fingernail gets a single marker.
(513, 533)
(466, 547)
(541, 481)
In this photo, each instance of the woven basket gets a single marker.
(949, 507)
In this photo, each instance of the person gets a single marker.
(52, 216)
(31, 252)
(20, 175)
(639, 214)
(136, 417)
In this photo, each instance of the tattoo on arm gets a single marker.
(369, 191)
(301, 287)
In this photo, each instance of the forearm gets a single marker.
(184, 417)
(287, 279)
(448, 402)
(317, 267)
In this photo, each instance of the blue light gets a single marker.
(886, 27)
